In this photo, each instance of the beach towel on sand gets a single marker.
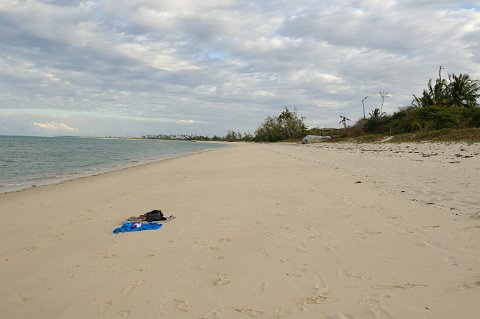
(129, 227)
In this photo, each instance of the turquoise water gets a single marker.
(27, 161)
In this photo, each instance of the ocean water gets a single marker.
(27, 161)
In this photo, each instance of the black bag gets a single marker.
(154, 215)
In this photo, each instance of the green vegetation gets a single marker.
(447, 104)
(446, 111)
(469, 135)
(233, 136)
(286, 126)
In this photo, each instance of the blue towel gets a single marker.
(128, 227)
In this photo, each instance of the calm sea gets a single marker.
(27, 161)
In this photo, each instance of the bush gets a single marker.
(378, 125)
(286, 126)
(358, 129)
(414, 119)
(405, 121)
(474, 117)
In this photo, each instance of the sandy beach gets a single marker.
(261, 230)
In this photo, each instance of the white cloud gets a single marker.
(226, 63)
(55, 126)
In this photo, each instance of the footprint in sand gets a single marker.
(27, 299)
(406, 285)
(213, 314)
(302, 268)
(133, 286)
(429, 244)
(371, 233)
(222, 280)
(125, 313)
(182, 305)
(105, 255)
(249, 312)
(348, 274)
(476, 227)
(315, 300)
(328, 247)
(373, 302)
(340, 316)
(301, 247)
(198, 266)
(30, 248)
(472, 285)
(317, 236)
(449, 260)
(263, 286)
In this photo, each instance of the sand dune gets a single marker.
(262, 231)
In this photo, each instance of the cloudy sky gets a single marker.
(133, 67)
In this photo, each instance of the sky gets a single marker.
(136, 67)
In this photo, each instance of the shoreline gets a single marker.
(84, 174)
(261, 230)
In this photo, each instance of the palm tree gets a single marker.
(463, 91)
(435, 95)
(376, 113)
(343, 121)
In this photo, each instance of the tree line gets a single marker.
(288, 125)
(447, 103)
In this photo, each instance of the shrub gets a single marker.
(286, 126)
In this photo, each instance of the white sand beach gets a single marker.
(261, 230)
